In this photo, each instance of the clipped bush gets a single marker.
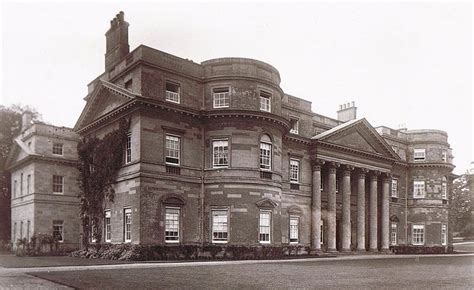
(410, 249)
(188, 252)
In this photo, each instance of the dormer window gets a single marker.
(419, 155)
(294, 123)
(265, 101)
(221, 97)
(172, 92)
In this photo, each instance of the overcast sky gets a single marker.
(402, 63)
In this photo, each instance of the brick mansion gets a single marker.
(218, 153)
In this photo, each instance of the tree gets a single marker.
(461, 200)
(10, 127)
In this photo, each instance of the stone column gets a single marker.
(373, 212)
(316, 208)
(332, 208)
(346, 209)
(361, 210)
(385, 213)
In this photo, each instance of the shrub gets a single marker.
(188, 252)
(410, 249)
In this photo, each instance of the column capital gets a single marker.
(316, 164)
(347, 169)
(387, 177)
(333, 167)
(374, 174)
(361, 172)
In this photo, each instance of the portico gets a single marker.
(350, 194)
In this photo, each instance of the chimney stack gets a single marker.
(26, 118)
(116, 41)
(347, 112)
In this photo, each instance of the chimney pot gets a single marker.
(26, 118)
(347, 112)
(116, 41)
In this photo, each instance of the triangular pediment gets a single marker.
(18, 152)
(266, 203)
(354, 140)
(358, 135)
(105, 98)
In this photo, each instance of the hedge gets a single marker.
(410, 249)
(188, 252)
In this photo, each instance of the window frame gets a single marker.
(419, 235)
(265, 95)
(178, 94)
(419, 151)
(55, 147)
(107, 225)
(28, 227)
(393, 234)
(21, 184)
(55, 184)
(298, 170)
(15, 185)
(321, 239)
(290, 238)
(28, 184)
(415, 194)
(127, 226)
(444, 156)
(226, 100)
(227, 226)
(178, 230)
(269, 226)
(270, 155)
(294, 130)
(444, 234)
(61, 224)
(178, 137)
(444, 190)
(128, 148)
(394, 189)
(214, 165)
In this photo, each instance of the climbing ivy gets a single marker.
(99, 162)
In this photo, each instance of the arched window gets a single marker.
(265, 152)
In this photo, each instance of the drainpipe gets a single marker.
(203, 158)
(406, 209)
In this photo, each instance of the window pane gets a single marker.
(58, 230)
(264, 227)
(57, 183)
(220, 153)
(221, 97)
(172, 149)
(294, 170)
(265, 156)
(172, 224)
(219, 226)
(294, 229)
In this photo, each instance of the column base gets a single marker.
(315, 252)
(333, 251)
(361, 250)
(385, 250)
(348, 250)
(374, 250)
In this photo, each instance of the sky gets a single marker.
(402, 63)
